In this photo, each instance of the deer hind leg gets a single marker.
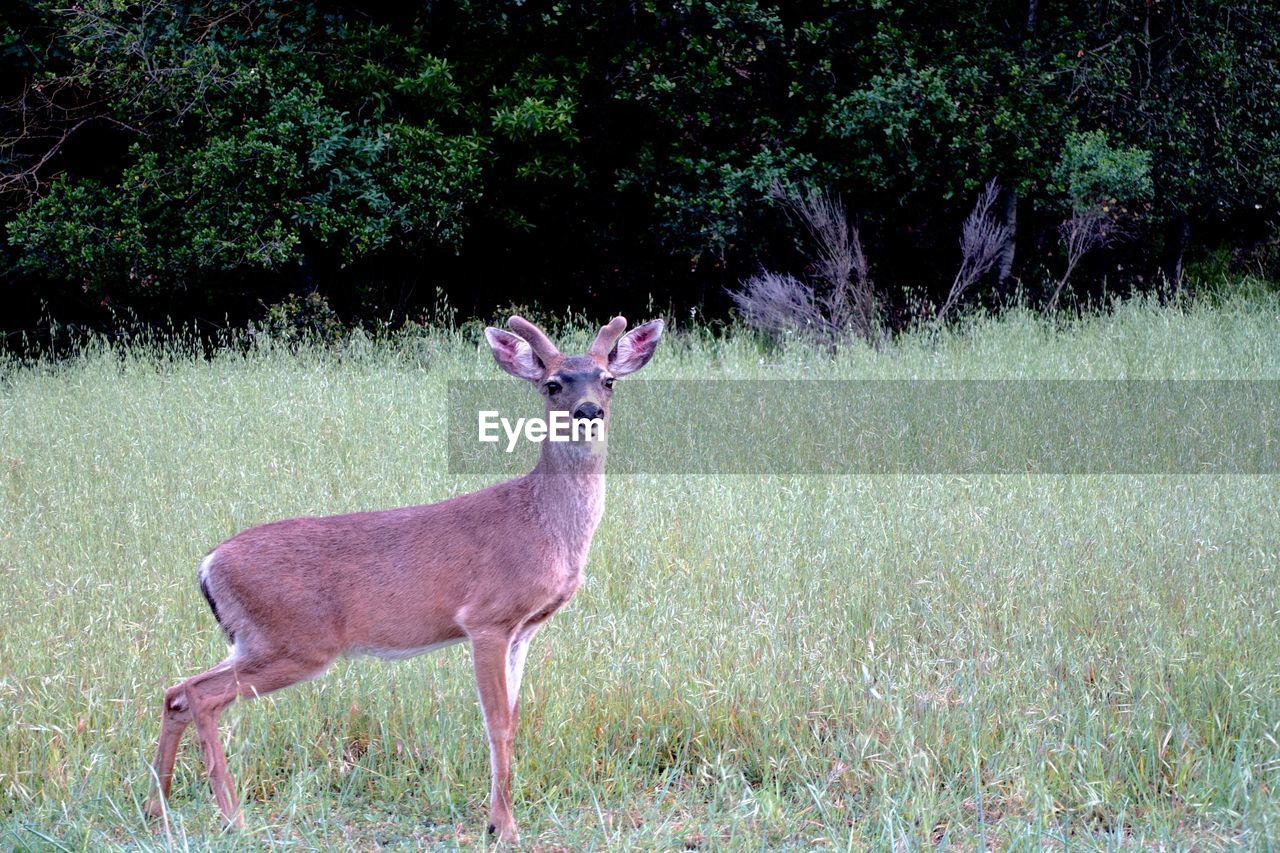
(492, 657)
(202, 699)
(175, 717)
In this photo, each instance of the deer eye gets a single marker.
(553, 388)
(608, 382)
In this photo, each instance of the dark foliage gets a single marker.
(206, 158)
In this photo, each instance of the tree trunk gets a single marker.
(1010, 222)
(1181, 241)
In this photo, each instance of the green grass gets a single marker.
(883, 661)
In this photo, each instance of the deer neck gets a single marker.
(568, 491)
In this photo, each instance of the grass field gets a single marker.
(865, 661)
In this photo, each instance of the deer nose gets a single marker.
(588, 411)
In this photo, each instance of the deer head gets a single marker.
(581, 385)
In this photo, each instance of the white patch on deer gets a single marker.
(493, 754)
(400, 654)
(515, 668)
(205, 565)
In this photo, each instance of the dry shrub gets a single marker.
(837, 301)
(1089, 228)
(982, 242)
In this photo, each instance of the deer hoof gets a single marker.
(507, 835)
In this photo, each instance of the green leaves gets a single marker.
(270, 163)
(432, 81)
(532, 117)
(78, 232)
(1094, 172)
(433, 179)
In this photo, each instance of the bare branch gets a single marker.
(1089, 228)
(982, 241)
(127, 82)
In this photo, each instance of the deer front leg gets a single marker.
(515, 669)
(491, 656)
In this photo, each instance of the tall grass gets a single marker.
(754, 662)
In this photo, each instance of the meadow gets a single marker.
(760, 662)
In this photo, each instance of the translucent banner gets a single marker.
(797, 427)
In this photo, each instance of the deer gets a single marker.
(489, 567)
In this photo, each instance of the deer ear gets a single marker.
(635, 348)
(514, 355)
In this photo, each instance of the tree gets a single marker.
(1102, 184)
